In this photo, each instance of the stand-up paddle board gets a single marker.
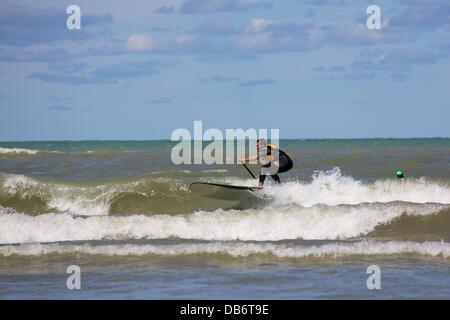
(222, 191)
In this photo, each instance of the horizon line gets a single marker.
(145, 140)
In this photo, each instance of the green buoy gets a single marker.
(400, 174)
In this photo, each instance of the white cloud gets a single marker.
(257, 25)
(140, 42)
(185, 38)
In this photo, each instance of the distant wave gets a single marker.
(239, 249)
(22, 151)
(16, 151)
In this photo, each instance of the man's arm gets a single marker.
(248, 158)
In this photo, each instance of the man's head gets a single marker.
(261, 144)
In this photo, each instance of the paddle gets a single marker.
(251, 173)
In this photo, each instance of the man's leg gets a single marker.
(261, 180)
(276, 178)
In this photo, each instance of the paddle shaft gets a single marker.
(251, 173)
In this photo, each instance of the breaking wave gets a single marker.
(331, 188)
(158, 195)
(88, 199)
(268, 224)
(237, 249)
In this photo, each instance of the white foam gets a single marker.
(268, 224)
(17, 151)
(331, 188)
(19, 185)
(239, 249)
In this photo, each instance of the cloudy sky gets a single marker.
(140, 69)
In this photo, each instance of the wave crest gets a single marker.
(153, 195)
(332, 188)
(237, 250)
(268, 224)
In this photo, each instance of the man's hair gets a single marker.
(261, 142)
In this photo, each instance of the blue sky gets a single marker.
(140, 69)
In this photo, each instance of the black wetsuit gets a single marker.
(285, 164)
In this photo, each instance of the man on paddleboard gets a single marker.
(272, 160)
